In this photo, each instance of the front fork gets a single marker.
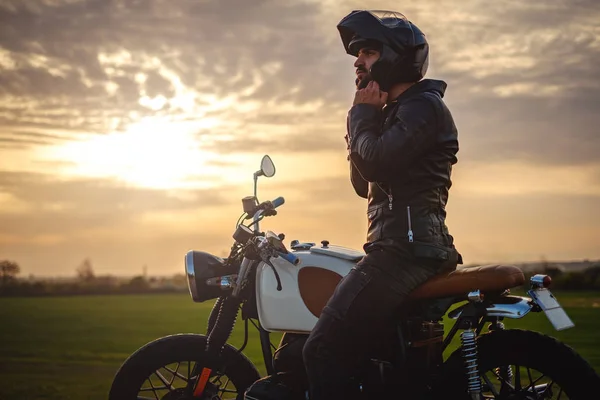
(220, 326)
(222, 318)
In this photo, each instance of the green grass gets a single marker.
(71, 347)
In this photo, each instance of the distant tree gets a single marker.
(593, 274)
(85, 271)
(544, 264)
(554, 270)
(9, 271)
(137, 284)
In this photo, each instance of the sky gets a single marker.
(130, 130)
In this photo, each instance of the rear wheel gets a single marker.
(524, 365)
(162, 369)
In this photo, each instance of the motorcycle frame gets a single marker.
(478, 310)
(471, 317)
(265, 343)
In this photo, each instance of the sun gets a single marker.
(152, 153)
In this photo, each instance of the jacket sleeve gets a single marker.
(381, 155)
(360, 185)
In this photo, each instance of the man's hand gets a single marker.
(371, 95)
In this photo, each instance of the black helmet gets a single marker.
(403, 47)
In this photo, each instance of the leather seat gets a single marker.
(486, 278)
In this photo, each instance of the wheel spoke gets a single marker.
(217, 380)
(222, 387)
(531, 385)
(517, 378)
(152, 388)
(504, 383)
(164, 381)
(538, 379)
(538, 388)
(549, 388)
(176, 373)
(490, 385)
(226, 384)
(167, 381)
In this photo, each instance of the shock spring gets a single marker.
(504, 373)
(469, 353)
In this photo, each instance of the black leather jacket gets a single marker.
(401, 160)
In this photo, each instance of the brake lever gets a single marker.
(263, 247)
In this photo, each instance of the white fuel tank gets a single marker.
(306, 287)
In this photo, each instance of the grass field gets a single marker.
(71, 347)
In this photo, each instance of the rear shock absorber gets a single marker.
(505, 373)
(469, 353)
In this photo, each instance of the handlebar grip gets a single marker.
(290, 257)
(278, 201)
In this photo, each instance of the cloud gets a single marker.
(13, 141)
(543, 131)
(524, 227)
(159, 90)
(12, 138)
(163, 43)
(66, 208)
(526, 70)
(50, 225)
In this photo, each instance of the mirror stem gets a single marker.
(256, 174)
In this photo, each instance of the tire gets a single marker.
(142, 364)
(534, 350)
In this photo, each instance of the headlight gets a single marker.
(191, 275)
(201, 268)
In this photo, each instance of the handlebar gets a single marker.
(261, 246)
(290, 257)
(265, 206)
(278, 202)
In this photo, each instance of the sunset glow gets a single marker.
(153, 153)
(131, 140)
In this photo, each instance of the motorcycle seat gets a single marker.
(485, 278)
(317, 284)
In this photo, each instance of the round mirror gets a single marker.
(267, 167)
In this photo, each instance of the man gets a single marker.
(402, 143)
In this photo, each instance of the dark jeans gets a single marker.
(355, 320)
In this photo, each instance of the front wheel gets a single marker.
(518, 364)
(161, 370)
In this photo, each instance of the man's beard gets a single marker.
(362, 83)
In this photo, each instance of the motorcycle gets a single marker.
(284, 291)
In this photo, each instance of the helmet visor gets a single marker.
(368, 24)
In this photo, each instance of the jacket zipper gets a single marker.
(391, 199)
(410, 232)
(389, 195)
